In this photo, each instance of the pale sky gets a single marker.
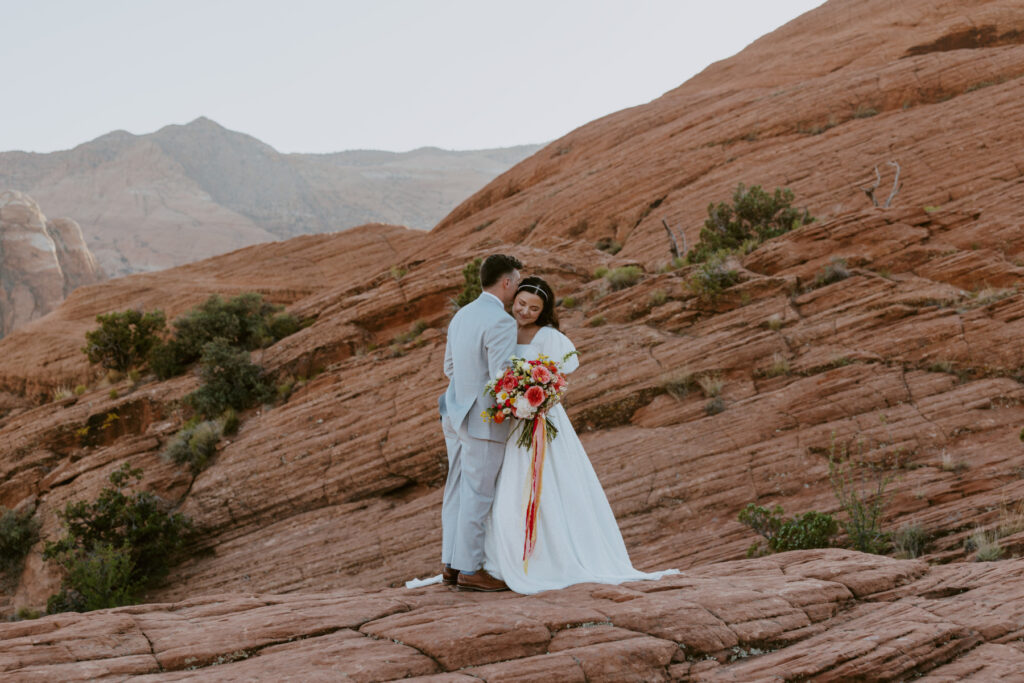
(331, 75)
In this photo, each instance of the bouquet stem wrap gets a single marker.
(537, 450)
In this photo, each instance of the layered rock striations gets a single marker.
(41, 261)
(887, 334)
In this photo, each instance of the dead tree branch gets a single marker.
(870, 191)
(672, 238)
(895, 185)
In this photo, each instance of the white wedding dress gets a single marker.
(578, 539)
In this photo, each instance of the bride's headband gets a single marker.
(536, 288)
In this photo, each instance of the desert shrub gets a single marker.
(835, 271)
(416, 330)
(569, 302)
(860, 489)
(623, 277)
(712, 277)
(97, 578)
(600, 272)
(245, 321)
(114, 546)
(657, 298)
(779, 366)
(168, 359)
(229, 379)
(596, 321)
(471, 287)
(985, 546)
(711, 385)
(283, 325)
(19, 531)
(229, 422)
(123, 339)
(609, 245)
(753, 215)
(808, 530)
(194, 445)
(80, 389)
(910, 541)
(677, 384)
(714, 406)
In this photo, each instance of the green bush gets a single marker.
(19, 531)
(283, 325)
(123, 339)
(609, 245)
(194, 445)
(114, 546)
(835, 271)
(245, 321)
(623, 277)
(808, 530)
(98, 578)
(471, 288)
(712, 278)
(861, 491)
(753, 215)
(910, 541)
(229, 422)
(228, 380)
(168, 359)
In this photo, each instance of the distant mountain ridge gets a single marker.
(187, 192)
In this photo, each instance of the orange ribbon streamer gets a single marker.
(537, 448)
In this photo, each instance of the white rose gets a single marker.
(522, 408)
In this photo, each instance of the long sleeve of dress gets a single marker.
(557, 346)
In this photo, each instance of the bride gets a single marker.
(578, 540)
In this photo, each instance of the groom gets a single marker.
(481, 339)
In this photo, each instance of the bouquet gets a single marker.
(526, 391)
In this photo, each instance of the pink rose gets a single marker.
(535, 395)
(541, 374)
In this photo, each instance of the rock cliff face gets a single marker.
(41, 261)
(911, 363)
(185, 193)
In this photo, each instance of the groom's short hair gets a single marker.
(495, 267)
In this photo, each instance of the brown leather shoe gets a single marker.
(449, 576)
(480, 581)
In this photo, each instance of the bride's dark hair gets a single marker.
(538, 287)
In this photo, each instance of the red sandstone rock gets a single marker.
(911, 364)
(41, 261)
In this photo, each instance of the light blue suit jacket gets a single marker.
(481, 340)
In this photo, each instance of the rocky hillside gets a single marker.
(185, 193)
(41, 261)
(906, 356)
